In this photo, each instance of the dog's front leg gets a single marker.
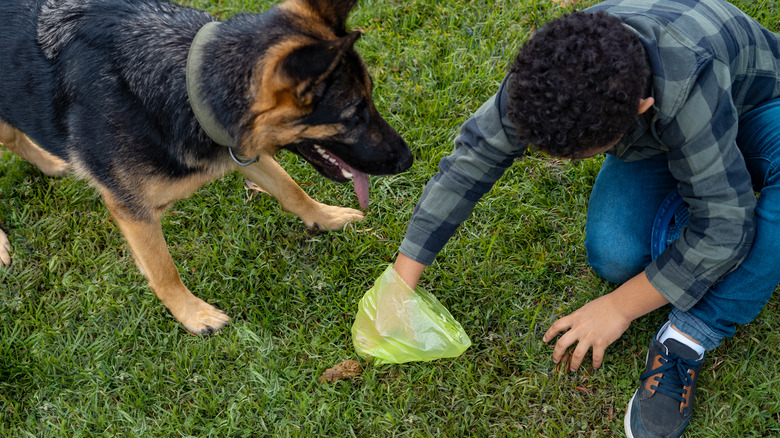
(153, 258)
(271, 177)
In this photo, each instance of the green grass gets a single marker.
(87, 350)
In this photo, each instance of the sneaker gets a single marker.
(663, 404)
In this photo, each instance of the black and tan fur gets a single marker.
(98, 88)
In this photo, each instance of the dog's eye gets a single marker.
(357, 114)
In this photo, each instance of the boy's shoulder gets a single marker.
(667, 8)
(683, 37)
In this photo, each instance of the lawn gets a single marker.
(86, 349)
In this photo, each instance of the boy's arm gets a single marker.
(600, 322)
(409, 270)
(484, 148)
(713, 180)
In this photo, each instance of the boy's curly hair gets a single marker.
(576, 84)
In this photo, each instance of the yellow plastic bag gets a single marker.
(395, 324)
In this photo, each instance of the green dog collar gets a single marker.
(208, 121)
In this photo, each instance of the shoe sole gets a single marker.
(627, 418)
(664, 232)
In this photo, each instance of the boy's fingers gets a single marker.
(578, 355)
(556, 327)
(598, 357)
(563, 344)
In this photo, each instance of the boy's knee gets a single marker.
(614, 262)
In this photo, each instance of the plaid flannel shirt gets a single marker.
(710, 64)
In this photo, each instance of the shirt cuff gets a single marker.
(676, 284)
(421, 245)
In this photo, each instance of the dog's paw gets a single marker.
(202, 318)
(329, 217)
(5, 250)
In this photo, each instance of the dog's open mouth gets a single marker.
(336, 169)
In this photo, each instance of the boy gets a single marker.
(682, 94)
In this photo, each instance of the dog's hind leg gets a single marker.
(148, 246)
(5, 249)
(17, 142)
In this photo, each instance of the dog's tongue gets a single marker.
(360, 182)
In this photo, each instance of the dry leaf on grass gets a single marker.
(254, 188)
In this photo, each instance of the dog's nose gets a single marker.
(404, 162)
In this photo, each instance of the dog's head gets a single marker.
(312, 96)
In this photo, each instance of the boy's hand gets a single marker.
(595, 325)
(601, 322)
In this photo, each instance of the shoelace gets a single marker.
(674, 375)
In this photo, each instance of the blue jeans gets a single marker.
(626, 198)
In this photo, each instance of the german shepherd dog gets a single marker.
(150, 101)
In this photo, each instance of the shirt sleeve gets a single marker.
(714, 181)
(484, 148)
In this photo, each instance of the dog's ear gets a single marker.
(333, 12)
(310, 64)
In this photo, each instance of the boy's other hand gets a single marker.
(595, 325)
(601, 322)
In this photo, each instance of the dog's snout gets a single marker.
(405, 161)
